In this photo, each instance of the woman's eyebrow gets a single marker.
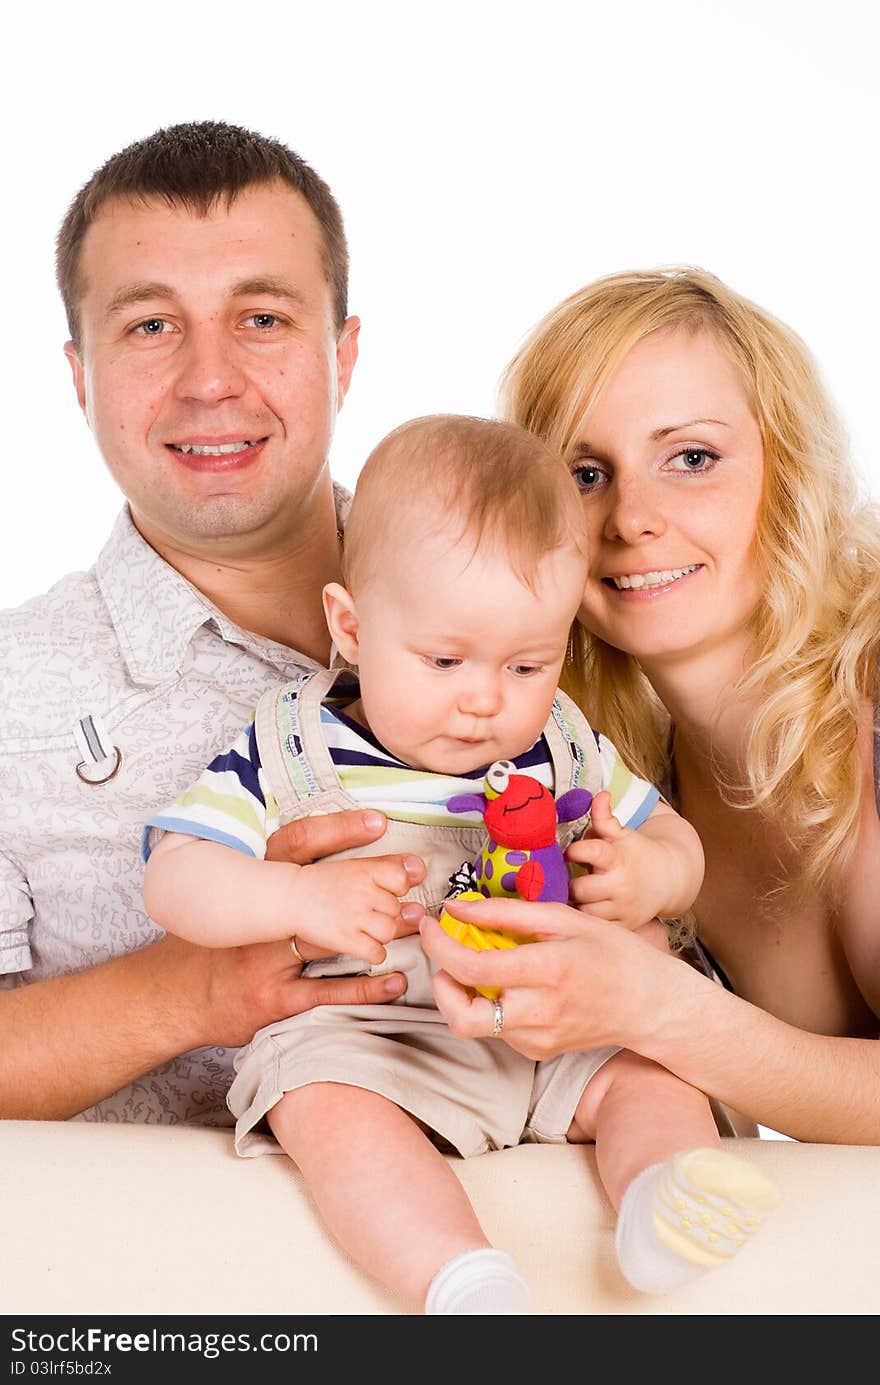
(584, 448)
(659, 433)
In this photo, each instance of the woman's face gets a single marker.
(670, 464)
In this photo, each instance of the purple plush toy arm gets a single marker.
(466, 802)
(573, 804)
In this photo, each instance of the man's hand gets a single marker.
(240, 989)
(310, 839)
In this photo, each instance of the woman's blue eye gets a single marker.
(586, 476)
(694, 459)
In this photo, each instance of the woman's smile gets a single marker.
(646, 584)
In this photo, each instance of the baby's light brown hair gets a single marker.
(480, 478)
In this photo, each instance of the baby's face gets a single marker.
(459, 660)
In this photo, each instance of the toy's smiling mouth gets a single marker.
(518, 807)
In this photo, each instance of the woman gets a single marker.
(729, 642)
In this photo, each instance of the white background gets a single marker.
(489, 159)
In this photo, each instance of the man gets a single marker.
(204, 274)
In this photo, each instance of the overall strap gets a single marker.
(293, 751)
(575, 755)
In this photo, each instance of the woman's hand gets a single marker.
(584, 983)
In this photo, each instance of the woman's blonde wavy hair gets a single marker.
(817, 632)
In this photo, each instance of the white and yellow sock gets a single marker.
(479, 1282)
(691, 1214)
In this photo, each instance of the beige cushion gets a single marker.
(145, 1219)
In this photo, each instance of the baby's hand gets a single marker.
(627, 870)
(352, 906)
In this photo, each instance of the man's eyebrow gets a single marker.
(131, 294)
(271, 286)
(149, 290)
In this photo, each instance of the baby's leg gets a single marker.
(684, 1203)
(393, 1202)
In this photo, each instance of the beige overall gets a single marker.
(474, 1094)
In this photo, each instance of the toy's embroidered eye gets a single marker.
(498, 776)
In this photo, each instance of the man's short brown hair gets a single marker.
(195, 166)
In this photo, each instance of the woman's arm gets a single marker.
(589, 984)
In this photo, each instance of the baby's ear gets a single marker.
(342, 620)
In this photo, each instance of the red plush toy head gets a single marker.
(519, 812)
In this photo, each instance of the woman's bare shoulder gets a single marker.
(858, 919)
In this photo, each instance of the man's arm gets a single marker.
(69, 1042)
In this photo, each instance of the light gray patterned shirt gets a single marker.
(128, 655)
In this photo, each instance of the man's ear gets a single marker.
(346, 355)
(342, 620)
(79, 375)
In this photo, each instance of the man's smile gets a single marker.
(217, 454)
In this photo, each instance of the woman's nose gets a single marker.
(634, 511)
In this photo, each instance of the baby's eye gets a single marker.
(441, 661)
(526, 670)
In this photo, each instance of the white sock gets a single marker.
(691, 1214)
(483, 1281)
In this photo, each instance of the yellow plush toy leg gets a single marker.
(480, 939)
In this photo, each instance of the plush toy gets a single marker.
(522, 858)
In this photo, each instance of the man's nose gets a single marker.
(209, 369)
(634, 511)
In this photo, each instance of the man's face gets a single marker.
(210, 369)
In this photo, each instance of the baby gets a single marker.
(464, 567)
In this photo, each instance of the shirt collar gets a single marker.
(156, 613)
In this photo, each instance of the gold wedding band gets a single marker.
(296, 952)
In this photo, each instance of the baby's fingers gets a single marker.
(590, 851)
(396, 874)
(368, 947)
(603, 823)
